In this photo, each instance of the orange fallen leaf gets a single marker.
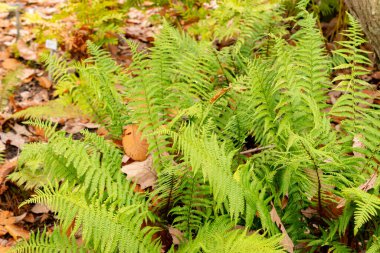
(44, 82)
(6, 168)
(7, 218)
(220, 93)
(3, 231)
(4, 249)
(7, 225)
(11, 64)
(134, 146)
(17, 231)
(376, 75)
(4, 55)
(30, 218)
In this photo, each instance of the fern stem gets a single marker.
(167, 207)
(189, 207)
(221, 66)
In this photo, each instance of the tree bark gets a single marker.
(368, 14)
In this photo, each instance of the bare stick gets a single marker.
(254, 150)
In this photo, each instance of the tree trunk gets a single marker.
(368, 14)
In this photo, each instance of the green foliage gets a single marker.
(367, 206)
(219, 236)
(122, 219)
(93, 162)
(7, 83)
(6, 7)
(199, 108)
(102, 20)
(87, 87)
(55, 242)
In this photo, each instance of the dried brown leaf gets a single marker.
(13, 139)
(26, 52)
(141, 173)
(357, 143)
(39, 208)
(44, 82)
(7, 168)
(17, 231)
(286, 242)
(176, 234)
(309, 212)
(369, 184)
(11, 64)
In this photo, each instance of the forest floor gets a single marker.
(32, 86)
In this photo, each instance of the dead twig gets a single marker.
(255, 150)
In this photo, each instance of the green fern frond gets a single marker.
(348, 105)
(375, 246)
(124, 225)
(93, 162)
(191, 208)
(175, 75)
(312, 60)
(203, 152)
(43, 242)
(51, 110)
(90, 86)
(220, 236)
(263, 97)
(367, 206)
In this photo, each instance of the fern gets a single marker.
(93, 162)
(312, 60)
(215, 163)
(219, 236)
(87, 89)
(197, 106)
(44, 243)
(367, 206)
(165, 82)
(123, 225)
(191, 209)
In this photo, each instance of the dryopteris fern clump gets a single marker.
(101, 20)
(312, 182)
(85, 88)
